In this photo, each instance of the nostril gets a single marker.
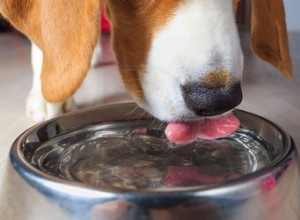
(208, 101)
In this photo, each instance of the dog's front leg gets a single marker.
(37, 108)
(97, 54)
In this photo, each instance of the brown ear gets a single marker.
(66, 31)
(269, 35)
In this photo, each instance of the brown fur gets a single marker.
(269, 35)
(219, 79)
(133, 26)
(235, 4)
(66, 31)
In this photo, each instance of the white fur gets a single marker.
(97, 55)
(201, 37)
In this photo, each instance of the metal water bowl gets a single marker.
(114, 162)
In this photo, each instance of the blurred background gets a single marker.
(292, 9)
(266, 91)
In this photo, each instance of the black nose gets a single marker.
(209, 101)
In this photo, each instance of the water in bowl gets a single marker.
(138, 156)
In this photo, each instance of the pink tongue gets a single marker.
(208, 128)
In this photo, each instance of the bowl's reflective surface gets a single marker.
(137, 155)
(65, 162)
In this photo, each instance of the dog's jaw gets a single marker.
(200, 38)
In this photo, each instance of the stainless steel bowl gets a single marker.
(55, 168)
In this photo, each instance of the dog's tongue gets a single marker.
(208, 128)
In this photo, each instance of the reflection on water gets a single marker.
(139, 157)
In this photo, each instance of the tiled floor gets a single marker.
(266, 92)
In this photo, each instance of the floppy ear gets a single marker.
(269, 35)
(66, 31)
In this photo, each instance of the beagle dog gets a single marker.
(181, 60)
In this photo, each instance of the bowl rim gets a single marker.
(47, 183)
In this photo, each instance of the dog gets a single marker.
(181, 60)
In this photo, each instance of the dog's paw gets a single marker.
(38, 109)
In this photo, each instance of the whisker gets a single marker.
(161, 125)
(141, 115)
(153, 122)
(127, 116)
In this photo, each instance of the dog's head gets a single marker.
(179, 59)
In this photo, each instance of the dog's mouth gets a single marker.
(205, 128)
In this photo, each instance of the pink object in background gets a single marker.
(268, 185)
(105, 25)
